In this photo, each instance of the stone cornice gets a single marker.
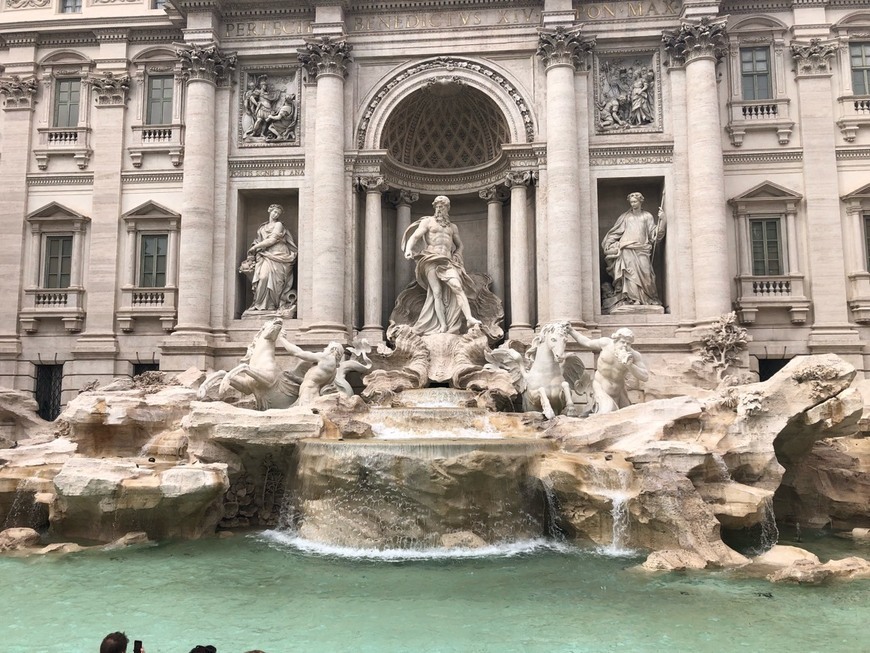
(853, 153)
(765, 158)
(697, 40)
(206, 62)
(86, 179)
(325, 55)
(152, 177)
(563, 47)
(813, 59)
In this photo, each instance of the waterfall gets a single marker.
(769, 530)
(614, 485)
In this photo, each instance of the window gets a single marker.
(860, 56)
(766, 241)
(755, 73)
(152, 260)
(66, 102)
(58, 261)
(159, 110)
(48, 390)
(71, 6)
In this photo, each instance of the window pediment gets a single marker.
(150, 209)
(58, 215)
(766, 196)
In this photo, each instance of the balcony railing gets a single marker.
(57, 141)
(65, 304)
(854, 114)
(756, 293)
(167, 139)
(157, 303)
(759, 115)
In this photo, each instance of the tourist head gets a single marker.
(199, 648)
(635, 199)
(114, 643)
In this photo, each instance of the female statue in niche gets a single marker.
(269, 264)
(629, 247)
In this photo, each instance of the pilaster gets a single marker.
(495, 197)
(373, 271)
(519, 181)
(403, 199)
(824, 219)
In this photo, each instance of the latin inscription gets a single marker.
(455, 19)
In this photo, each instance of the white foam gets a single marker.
(291, 540)
(384, 432)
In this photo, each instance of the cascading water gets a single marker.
(416, 493)
(769, 529)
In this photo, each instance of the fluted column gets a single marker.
(562, 51)
(520, 323)
(404, 268)
(494, 238)
(203, 66)
(700, 45)
(326, 59)
(373, 260)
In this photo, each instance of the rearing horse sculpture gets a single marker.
(547, 377)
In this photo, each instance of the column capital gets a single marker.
(813, 59)
(110, 89)
(18, 93)
(372, 184)
(325, 55)
(520, 178)
(403, 197)
(697, 40)
(493, 195)
(205, 62)
(562, 46)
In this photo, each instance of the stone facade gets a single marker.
(141, 144)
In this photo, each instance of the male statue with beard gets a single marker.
(616, 360)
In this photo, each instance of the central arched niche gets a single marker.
(445, 126)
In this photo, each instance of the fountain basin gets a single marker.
(417, 493)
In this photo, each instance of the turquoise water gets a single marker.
(262, 591)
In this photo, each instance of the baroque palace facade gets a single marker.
(143, 144)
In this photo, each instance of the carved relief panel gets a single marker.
(627, 92)
(269, 108)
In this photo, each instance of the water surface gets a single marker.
(263, 591)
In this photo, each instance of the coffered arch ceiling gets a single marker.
(445, 126)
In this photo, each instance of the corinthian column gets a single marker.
(700, 45)
(326, 59)
(521, 325)
(373, 262)
(562, 51)
(204, 66)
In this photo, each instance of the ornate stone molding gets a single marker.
(282, 167)
(631, 155)
(449, 64)
(206, 62)
(813, 58)
(325, 55)
(402, 196)
(765, 158)
(81, 179)
(564, 47)
(691, 41)
(520, 178)
(27, 4)
(371, 184)
(152, 177)
(18, 93)
(111, 90)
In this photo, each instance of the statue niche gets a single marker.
(269, 265)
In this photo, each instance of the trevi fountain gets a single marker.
(446, 490)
